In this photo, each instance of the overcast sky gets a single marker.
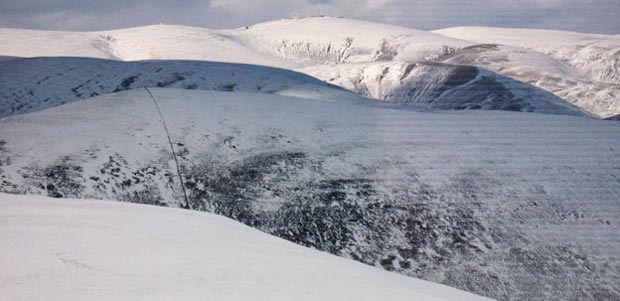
(598, 16)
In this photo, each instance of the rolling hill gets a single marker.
(495, 203)
(324, 46)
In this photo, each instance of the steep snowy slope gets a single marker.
(496, 203)
(579, 68)
(540, 70)
(596, 55)
(335, 40)
(88, 250)
(435, 86)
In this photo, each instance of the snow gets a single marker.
(436, 86)
(523, 193)
(95, 250)
(322, 40)
(582, 69)
(496, 203)
(140, 43)
(38, 83)
(594, 58)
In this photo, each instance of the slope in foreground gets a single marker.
(87, 250)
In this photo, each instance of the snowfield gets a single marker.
(321, 47)
(491, 202)
(92, 250)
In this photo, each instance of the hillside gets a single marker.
(496, 203)
(581, 68)
(438, 86)
(314, 41)
(595, 55)
(324, 46)
(37, 83)
(111, 251)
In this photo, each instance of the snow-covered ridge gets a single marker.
(93, 250)
(594, 58)
(313, 41)
(582, 74)
(33, 84)
(437, 86)
(38, 83)
(542, 71)
(478, 200)
(597, 55)
(156, 42)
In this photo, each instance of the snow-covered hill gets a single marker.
(595, 55)
(323, 47)
(33, 84)
(313, 41)
(540, 70)
(157, 42)
(91, 250)
(436, 86)
(496, 203)
(580, 68)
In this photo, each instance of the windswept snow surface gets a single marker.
(320, 47)
(54, 249)
(495, 203)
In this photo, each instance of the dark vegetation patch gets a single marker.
(409, 228)
(5, 184)
(176, 77)
(126, 83)
(227, 87)
(149, 195)
(62, 179)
